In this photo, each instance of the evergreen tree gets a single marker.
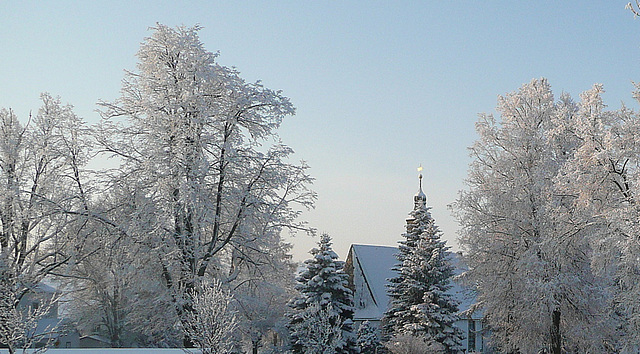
(368, 340)
(323, 289)
(420, 305)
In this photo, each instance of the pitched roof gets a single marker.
(377, 262)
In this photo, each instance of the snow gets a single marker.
(376, 263)
(113, 351)
(45, 288)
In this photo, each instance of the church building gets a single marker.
(371, 266)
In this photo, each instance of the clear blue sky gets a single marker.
(380, 86)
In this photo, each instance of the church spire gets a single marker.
(420, 199)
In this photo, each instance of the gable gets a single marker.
(375, 265)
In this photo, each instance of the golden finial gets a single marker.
(420, 199)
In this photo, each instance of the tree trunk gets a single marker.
(187, 341)
(556, 340)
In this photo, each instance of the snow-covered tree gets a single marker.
(634, 9)
(116, 291)
(323, 290)
(619, 163)
(212, 323)
(319, 331)
(11, 324)
(261, 300)
(599, 187)
(368, 340)
(102, 287)
(42, 199)
(419, 303)
(414, 344)
(528, 247)
(19, 321)
(201, 145)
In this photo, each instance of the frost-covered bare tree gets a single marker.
(261, 297)
(414, 344)
(201, 145)
(12, 329)
(212, 323)
(529, 248)
(634, 9)
(599, 182)
(117, 288)
(42, 196)
(101, 287)
(319, 331)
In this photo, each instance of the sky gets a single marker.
(380, 87)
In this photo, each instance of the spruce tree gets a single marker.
(323, 288)
(419, 304)
(368, 340)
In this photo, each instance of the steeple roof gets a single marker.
(420, 199)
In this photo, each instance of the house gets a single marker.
(51, 329)
(370, 267)
(94, 341)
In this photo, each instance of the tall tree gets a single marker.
(528, 249)
(192, 143)
(419, 304)
(42, 196)
(323, 289)
(599, 183)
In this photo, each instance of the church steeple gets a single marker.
(420, 199)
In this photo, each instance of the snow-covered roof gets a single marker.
(42, 287)
(97, 338)
(464, 296)
(377, 263)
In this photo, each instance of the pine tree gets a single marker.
(368, 340)
(420, 305)
(323, 288)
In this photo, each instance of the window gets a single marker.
(471, 336)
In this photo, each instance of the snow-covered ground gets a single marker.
(111, 351)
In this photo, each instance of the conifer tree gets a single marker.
(323, 289)
(419, 304)
(368, 340)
